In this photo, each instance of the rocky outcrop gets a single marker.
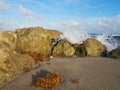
(114, 53)
(22, 50)
(94, 47)
(8, 41)
(35, 40)
(14, 65)
(63, 48)
(90, 47)
(11, 62)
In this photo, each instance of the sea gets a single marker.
(111, 41)
(117, 38)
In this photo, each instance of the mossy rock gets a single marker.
(63, 49)
(114, 53)
(8, 41)
(14, 65)
(94, 47)
(35, 40)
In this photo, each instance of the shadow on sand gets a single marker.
(38, 75)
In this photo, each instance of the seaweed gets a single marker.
(50, 80)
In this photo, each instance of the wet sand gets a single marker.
(94, 73)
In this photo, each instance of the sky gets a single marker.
(92, 16)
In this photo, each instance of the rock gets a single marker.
(53, 33)
(94, 47)
(63, 49)
(14, 65)
(114, 53)
(35, 40)
(11, 62)
(80, 50)
(8, 41)
(38, 57)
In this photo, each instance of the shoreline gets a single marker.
(94, 73)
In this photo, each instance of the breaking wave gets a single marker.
(77, 37)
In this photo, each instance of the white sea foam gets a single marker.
(74, 36)
(108, 41)
(77, 37)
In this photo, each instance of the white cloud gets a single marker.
(73, 22)
(28, 13)
(5, 26)
(14, 25)
(104, 22)
(117, 20)
(109, 24)
(66, 25)
(3, 5)
(91, 25)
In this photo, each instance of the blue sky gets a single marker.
(93, 16)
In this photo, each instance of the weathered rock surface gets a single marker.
(94, 47)
(7, 45)
(35, 40)
(14, 65)
(8, 41)
(63, 49)
(114, 53)
(21, 50)
(80, 50)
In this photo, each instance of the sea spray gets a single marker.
(75, 36)
(108, 41)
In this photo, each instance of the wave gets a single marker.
(108, 41)
(77, 37)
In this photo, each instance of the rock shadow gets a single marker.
(38, 75)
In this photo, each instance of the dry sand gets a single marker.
(94, 73)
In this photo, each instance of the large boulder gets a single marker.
(35, 40)
(11, 62)
(114, 53)
(8, 41)
(63, 48)
(94, 47)
(14, 65)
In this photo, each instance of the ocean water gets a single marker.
(75, 36)
(117, 38)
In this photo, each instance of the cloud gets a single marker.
(73, 23)
(104, 22)
(117, 20)
(6, 26)
(28, 13)
(65, 25)
(3, 5)
(90, 25)
(108, 23)
(14, 25)
(38, 3)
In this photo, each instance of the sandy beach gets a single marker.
(94, 73)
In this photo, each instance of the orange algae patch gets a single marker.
(76, 81)
(48, 63)
(26, 69)
(50, 80)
